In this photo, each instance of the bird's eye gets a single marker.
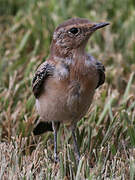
(74, 30)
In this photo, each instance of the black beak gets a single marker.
(99, 25)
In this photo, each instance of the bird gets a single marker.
(64, 84)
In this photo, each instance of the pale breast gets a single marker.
(68, 94)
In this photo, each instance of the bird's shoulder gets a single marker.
(42, 73)
(100, 69)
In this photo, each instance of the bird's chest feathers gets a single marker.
(74, 69)
(78, 76)
(81, 87)
(62, 71)
(80, 81)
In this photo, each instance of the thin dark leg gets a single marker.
(55, 146)
(77, 152)
(55, 129)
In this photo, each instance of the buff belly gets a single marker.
(64, 105)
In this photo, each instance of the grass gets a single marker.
(106, 135)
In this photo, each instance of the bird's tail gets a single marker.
(42, 127)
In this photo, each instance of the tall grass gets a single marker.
(106, 136)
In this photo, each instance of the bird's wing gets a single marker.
(101, 72)
(100, 69)
(43, 72)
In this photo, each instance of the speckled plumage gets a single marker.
(65, 83)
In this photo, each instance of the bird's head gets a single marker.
(73, 34)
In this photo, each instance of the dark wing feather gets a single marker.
(101, 72)
(100, 69)
(43, 72)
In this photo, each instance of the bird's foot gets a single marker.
(56, 159)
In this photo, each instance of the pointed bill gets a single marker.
(99, 25)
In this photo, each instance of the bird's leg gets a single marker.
(77, 152)
(55, 126)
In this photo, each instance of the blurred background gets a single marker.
(26, 28)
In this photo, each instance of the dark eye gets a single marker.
(73, 30)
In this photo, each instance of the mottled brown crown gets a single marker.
(73, 22)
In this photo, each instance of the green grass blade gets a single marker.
(126, 94)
